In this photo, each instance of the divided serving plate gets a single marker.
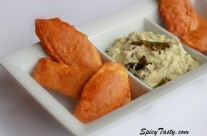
(102, 33)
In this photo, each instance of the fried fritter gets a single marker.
(183, 21)
(68, 80)
(104, 92)
(128, 96)
(197, 39)
(65, 44)
(179, 16)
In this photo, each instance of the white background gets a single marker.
(21, 115)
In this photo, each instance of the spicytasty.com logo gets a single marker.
(162, 131)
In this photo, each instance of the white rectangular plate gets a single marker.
(102, 33)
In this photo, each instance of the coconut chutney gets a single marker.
(152, 58)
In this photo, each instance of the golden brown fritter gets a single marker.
(73, 72)
(65, 44)
(183, 21)
(68, 80)
(179, 16)
(128, 96)
(104, 92)
(197, 39)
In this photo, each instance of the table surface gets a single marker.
(21, 115)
